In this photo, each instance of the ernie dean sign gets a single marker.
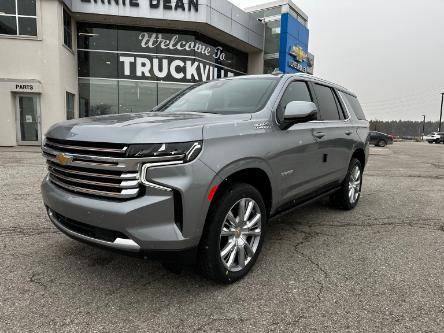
(153, 4)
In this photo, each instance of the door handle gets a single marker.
(319, 135)
(348, 132)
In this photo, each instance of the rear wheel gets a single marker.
(233, 235)
(382, 143)
(348, 196)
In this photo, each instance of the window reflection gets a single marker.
(137, 96)
(98, 97)
(118, 73)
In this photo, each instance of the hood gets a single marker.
(147, 127)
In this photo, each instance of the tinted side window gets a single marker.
(353, 104)
(296, 91)
(327, 103)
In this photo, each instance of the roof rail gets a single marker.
(315, 78)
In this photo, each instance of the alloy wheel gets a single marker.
(354, 185)
(240, 234)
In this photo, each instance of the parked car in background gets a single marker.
(380, 139)
(435, 137)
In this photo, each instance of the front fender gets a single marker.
(223, 172)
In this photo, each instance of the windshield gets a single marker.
(227, 96)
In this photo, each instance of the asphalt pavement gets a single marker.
(379, 268)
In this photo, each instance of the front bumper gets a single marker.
(144, 224)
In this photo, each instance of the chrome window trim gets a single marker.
(345, 105)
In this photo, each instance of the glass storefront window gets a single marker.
(272, 37)
(270, 65)
(98, 64)
(98, 97)
(92, 37)
(167, 90)
(125, 69)
(137, 96)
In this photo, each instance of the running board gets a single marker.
(304, 203)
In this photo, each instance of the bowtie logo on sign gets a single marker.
(300, 56)
(154, 4)
(298, 53)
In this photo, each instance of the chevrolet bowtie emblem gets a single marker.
(298, 53)
(64, 159)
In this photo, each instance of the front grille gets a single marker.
(96, 169)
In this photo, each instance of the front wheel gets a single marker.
(382, 143)
(348, 196)
(233, 234)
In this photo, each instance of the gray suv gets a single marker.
(198, 178)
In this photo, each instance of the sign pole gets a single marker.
(440, 115)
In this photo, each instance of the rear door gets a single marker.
(338, 136)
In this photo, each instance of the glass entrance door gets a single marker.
(28, 119)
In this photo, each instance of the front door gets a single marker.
(28, 119)
(297, 164)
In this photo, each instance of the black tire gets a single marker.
(430, 142)
(382, 143)
(341, 198)
(210, 262)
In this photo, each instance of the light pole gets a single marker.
(423, 128)
(440, 115)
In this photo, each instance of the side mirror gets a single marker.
(300, 112)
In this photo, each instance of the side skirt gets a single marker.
(286, 208)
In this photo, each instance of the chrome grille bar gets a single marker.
(125, 194)
(86, 148)
(123, 185)
(127, 176)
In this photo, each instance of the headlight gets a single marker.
(184, 151)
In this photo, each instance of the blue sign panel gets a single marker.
(293, 53)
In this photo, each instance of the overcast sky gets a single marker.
(389, 52)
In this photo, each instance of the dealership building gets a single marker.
(65, 59)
